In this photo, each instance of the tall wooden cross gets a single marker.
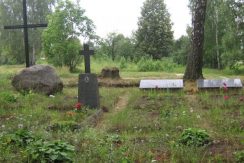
(87, 53)
(25, 26)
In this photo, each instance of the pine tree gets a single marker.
(154, 35)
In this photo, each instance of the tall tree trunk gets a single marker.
(113, 50)
(217, 36)
(195, 58)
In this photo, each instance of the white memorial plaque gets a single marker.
(230, 83)
(161, 84)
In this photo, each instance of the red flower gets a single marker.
(225, 89)
(242, 98)
(226, 97)
(78, 106)
(70, 113)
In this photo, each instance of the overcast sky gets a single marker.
(122, 15)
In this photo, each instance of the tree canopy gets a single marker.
(61, 39)
(154, 35)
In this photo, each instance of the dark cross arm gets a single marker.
(86, 50)
(23, 26)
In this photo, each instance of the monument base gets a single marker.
(88, 91)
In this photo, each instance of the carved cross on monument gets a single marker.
(25, 26)
(87, 53)
(88, 90)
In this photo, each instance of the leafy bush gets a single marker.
(37, 149)
(64, 126)
(123, 64)
(26, 93)
(21, 138)
(8, 97)
(50, 151)
(237, 67)
(239, 156)
(148, 64)
(114, 138)
(194, 137)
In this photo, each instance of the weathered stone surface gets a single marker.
(39, 78)
(219, 83)
(161, 84)
(110, 72)
(88, 91)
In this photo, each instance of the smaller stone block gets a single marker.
(110, 72)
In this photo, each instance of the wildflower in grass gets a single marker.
(159, 158)
(78, 106)
(198, 116)
(70, 113)
(184, 113)
(226, 97)
(20, 125)
(241, 98)
(225, 89)
(225, 85)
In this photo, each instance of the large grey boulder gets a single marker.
(39, 78)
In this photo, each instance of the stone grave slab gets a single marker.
(219, 83)
(161, 84)
(88, 90)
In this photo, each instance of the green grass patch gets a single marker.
(146, 129)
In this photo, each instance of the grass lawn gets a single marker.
(140, 126)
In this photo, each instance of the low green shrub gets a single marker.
(8, 97)
(21, 138)
(239, 156)
(122, 63)
(37, 149)
(148, 64)
(237, 67)
(43, 151)
(194, 137)
(114, 138)
(64, 126)
(26, 92)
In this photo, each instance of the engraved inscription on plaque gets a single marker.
(161, 84)
(230, 83)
